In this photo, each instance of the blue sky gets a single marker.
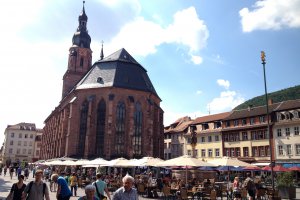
(201, 55)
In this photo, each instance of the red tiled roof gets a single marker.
(211, 118)
(179, 125)
(261, 110)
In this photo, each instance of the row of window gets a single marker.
(209, 152)
(287, 131)
(24, 151)
(20, 143)
(257, 151)
(203, 139)
(243, 122)
(254, 135)
(288, 115)
(288, 150)
(26, 135)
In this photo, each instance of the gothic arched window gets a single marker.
(101, 113)
(120, 129)
(137, 135)
(83, 127)
(81, 61)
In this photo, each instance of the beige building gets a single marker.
(19, 143)
(174, 141)
(209, 139)
(286, 132)
(245, 135)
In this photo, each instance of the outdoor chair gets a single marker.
(262, 194)
(141, 189)
(166, 192)
(213, 195)
(184, 194)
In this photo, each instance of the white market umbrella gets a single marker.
(227, 161)
(119, 162)
(81, 162)
(69, 162)
(54, 162)
(147, 161)
(97, 161)
(184, 161)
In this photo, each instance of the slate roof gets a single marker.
(119, 69)
(22, 126)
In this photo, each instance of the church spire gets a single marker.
(82, 19)
(101, 54)
(80, 55)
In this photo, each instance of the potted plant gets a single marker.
(285, 185)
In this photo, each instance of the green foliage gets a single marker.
(285, 179)
(291, 93)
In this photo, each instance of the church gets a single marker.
(109, 109)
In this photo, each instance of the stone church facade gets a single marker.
(109, 109)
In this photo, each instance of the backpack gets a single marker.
(249, 184)
(30, 185)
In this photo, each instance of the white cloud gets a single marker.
(143, 37)
(196, 60)
(224, 83)
(271, 14)
(198, 92)
(227, 101)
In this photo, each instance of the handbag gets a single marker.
(11, 194)
(102, 197)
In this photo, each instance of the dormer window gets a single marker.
(236, 122)
(99, 80)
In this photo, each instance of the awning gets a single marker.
(288, 165)
(261, 164)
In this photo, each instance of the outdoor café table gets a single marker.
(151, 190)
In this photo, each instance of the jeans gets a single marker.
(75, 190)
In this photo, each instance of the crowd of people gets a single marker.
(64, 182)
(65, 185)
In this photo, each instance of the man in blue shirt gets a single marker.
(63, 190)
(127, 192)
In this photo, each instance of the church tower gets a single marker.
(80, 55)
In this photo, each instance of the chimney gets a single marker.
(250, 107)
(270, 101)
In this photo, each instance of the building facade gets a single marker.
(108, 110)
(245, 135)
(286, 132)
(209, 138)
(174, 142)
(242, 134)
(19, 143)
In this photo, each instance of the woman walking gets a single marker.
(17, 189)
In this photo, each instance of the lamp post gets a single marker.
(193, 129)
(263, 59)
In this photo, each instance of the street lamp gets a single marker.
(263, 59)
(193, 129)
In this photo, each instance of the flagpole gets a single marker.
(263, 59)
